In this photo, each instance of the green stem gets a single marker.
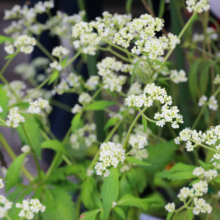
(7, 64)
(209, 148)
(131, 127)
(13, 157)
(60, 105)
(45, 51)
(199, 116)
(74, 57)
(151, 120)
(33, 151)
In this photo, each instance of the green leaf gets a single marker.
(160, 155)
(144, 122)
(190, 214)
(3, 102)
(193, 79)
(53, 77)
(5, 39)
(129, 200)
(59, 205)
(204, 77)
(9, 56)
(87, 189)
(64, 61)
(179, 171)
(124, 186)
(33, 131)
(75, 122)
(161, 8)
(169, 215)
(109, 191)
(90, 215)
(110, 122)
(13, 173)
(99, 105)
(55, 145)
(120, 212)
(128, 6)
(137, 161)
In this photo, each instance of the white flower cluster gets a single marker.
(37, 106)
(212, 102)
(197, 5)
(60, 52)
(201, 206)
(26, 149)
(211, 34)
(108, 68)
(178, 77)
(217, 79)
(76, 109)
(71, 82)
(138, 142)
(14, 118)
(203, 174)
(92, 83)
(85, 135)
(25, 44)
(1, 183)
(170, 207)
(135, 89)
(151, 93)
(55, 66)
(85, 98)
(111, 154)
(194, 138)
(29, 208)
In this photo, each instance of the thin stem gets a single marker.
(209, 148)
(151, 120)
(76, 55)
(33, 151)
(181, 34)
(45, 51)
(13, 157)
(7, 64)
(60, 105)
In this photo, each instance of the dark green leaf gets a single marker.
(120, 212)
(137, 161)
(3, 102)
(55, 145)
(161, 8)
(99, 105)
(204, 77)
(109, 192)
(128, 6)
(13, 173)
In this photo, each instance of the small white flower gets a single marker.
(170, 207)
(55, 65)
(26, 149)
(9, 49)
(1, 183)
(76, 109)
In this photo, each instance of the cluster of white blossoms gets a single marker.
(84, 136)
(71, 82)
(26, 149)
(14, 118)
(55, 66)
(108, 68)
(135, 89)
(152, 93)
(203, 174)
(111, 154)
(198, 189)
(85, 98)
(212, 102)
(29, 208)
(25, 44)
(178, 77)
(92, 83)
(60, 52)
(5, 204)
(197, 6)
(194, 138)
(138, 142)
(38, 105)
(211, 34)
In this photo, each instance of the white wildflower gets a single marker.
(60, 52)
(170, 207)
(26, 149)
(201, 206)
(76, 109)
(197, 5)
(14, 118)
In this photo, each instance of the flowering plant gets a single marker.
(142, 145)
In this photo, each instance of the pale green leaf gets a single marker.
(120, 212)
(110, 122)
(75, 122)
(3, 102)
(99, 105)
(137, 161)
(90, 215)
(53, 77)
(5, 39)
(55, 145)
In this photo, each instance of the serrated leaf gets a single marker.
(13, 173)
(129, 200)
(137, 161)
(5, 39)
(53, 77)
(3, 102)
(55, 145)
(33, 131)
(144, 122)
(120, 212)
(99, 105)
(75, 122)
(109, 191)
(193, 80)
(59, 205)
(90, 215)
(110, 122)
(179, 171)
